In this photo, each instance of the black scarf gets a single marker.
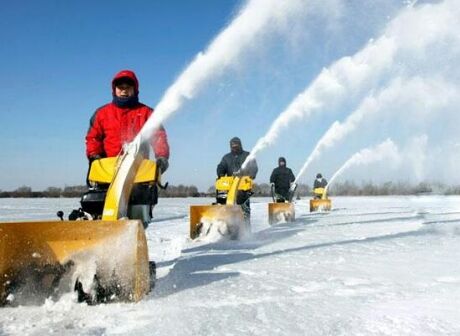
(126, 102)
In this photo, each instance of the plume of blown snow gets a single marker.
(412, 31)
(432, 94)
(416, 156)
(385, 150)
(254, 19)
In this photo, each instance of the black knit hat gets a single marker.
(319, 175)
(282, 159)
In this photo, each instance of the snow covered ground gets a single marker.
(372, 266)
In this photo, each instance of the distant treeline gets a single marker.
(77, 191)
(180, 191)
(25, 191)
(346, 188)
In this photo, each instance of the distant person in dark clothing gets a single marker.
(281, 178)
(320, 183)
(230, 165)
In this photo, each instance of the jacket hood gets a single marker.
(126, 74)
(236, 140)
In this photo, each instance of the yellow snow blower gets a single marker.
(103, 260)
(281, 210)
(226, 210)
(320, 202)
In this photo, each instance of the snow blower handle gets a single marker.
(161, 186)
(158, 173)
(272, 189)
(292, 190)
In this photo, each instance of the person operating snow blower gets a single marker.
(281, 180)
(118, 123)
(283, 189)
(105, 257)
(230, 215)
(230, 165)
(319, 185)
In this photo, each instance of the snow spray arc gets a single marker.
(255, 18)
(397, 92)
(386, 149)
(349, 76)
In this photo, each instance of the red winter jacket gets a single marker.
(111, 126)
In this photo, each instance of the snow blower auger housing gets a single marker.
(281, 210)
(227, 208)
(102, 260)
(39, 260)
(320, 202)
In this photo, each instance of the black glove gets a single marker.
(162, 164)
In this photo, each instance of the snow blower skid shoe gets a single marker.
(280, 212)
(103, 260)
(320, 202)
(226, 217)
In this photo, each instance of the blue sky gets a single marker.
(58, 58)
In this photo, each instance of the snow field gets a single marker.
(372, 266)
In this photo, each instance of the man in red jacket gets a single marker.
(118, 122)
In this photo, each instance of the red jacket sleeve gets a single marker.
(160, 143)
(95, 137)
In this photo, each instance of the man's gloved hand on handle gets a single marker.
(162, 164)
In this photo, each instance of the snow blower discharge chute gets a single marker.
(105, 259)
(281, 210)
(226, 215)
(320, 202)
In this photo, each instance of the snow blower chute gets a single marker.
(103, 260)
(281, 210)
(320, 202)
(226, 215)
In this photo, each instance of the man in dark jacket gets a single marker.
(231, 164)
(282, 177)
(320, 182)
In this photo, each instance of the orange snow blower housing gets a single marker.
(281, 209)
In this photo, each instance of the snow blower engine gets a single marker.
(144, 193)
